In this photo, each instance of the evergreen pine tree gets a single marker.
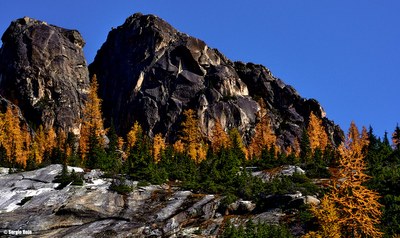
(386, 140)
(305, 148)
(113, 148)
(396, 138)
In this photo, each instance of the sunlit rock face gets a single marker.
(44, 72)
(30, 201)
(149, 72)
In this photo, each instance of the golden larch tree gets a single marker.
(358, 206)
(264, 136)
(27, 140)
(120, 143)
(133, 136)
(51, 141)
(328, 220)
(179, 147)
(43, 142)
(316, 133)
(219, 138)
(14, 138)
(296, 148)
(191, 133)
(237, 142)
(158, 147)
(2, 127)
(61, 143)
(92, 121)
(192, 138)
(39, 145)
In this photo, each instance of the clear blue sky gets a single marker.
(346, 54)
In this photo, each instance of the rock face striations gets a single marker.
(150, 73)
(33, 202)
(44, 72)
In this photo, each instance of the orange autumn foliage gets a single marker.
(237, 142)
(358, 206)
(264, 136)
(316, 133)
(133, 135)
(179, 147)
(92, 121)
(14, 139)
(158, 147)
(43, 142)
(328, 220)
(219, 138)
(192, 138)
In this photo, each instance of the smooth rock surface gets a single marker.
(29, 201)
(92, 210)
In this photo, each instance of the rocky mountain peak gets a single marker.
(44, 72)
(150, 72)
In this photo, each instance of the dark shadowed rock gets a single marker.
(43, 71)
(150, 72)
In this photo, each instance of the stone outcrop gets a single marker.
(270, 174)
(44, 72)
(31, 202)
(150, 72)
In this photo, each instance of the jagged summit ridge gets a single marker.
(150, 72)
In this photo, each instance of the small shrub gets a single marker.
(24, 200)
(66, 178)
(257, 230)
(143, 183)
(119, 186)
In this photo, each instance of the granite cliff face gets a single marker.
(150, 72)
(44, 72)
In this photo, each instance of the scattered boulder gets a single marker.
(304, 200)
(241, 207)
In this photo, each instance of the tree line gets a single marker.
(361, 200)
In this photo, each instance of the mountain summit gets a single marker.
(149, 72)
(44, 72)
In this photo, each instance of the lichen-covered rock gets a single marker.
(150, 72)
(44, 72)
